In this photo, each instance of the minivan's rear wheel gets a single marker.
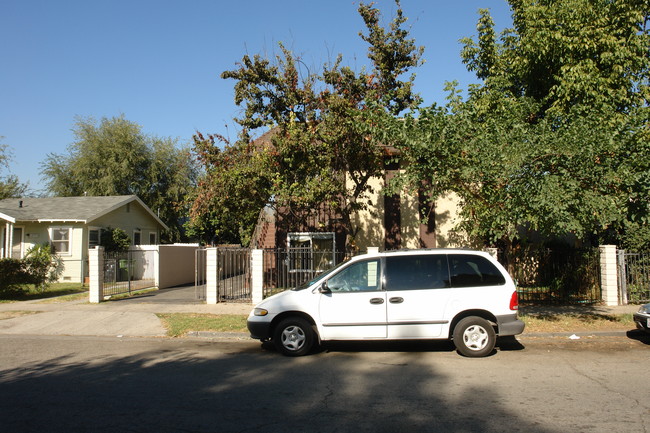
(474, 337)
(293, 336)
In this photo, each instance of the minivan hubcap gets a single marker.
(293, 337)
(475, 337)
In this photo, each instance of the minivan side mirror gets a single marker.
(324, 289)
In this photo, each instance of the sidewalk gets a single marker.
(138, 319)
(115, 318)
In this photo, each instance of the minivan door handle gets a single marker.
(396, 300)
(377, 301)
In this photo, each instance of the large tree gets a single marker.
(10, 185)
(323, 150)
(114, 157)
(555, 136)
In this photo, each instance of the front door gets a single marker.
(17, 243)
(355, 306)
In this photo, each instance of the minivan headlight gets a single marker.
(260, 312)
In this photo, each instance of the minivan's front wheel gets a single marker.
(474, 337)
(293, 337)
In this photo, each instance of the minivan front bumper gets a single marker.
(510, 325)
(259, 330)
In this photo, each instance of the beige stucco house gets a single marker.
(73, 225)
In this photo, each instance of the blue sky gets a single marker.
(158, 61)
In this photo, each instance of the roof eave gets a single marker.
(8, 218)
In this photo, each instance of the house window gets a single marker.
(137, 237)
(94, 237)
(61, 238)
(310, 252)
(153, 238)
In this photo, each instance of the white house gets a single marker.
(72, 225)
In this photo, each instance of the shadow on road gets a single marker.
(170, 388)
(410, 346)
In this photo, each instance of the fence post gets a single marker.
(257, 275)
(608, 275)
(622, 277)
(373, 250)
(211, 267)
(96, 274)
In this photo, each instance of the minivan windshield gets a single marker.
(311, 282)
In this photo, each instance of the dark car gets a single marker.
(642, 318)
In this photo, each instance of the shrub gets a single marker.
(115, 240)
(43, 265)
(13, 276)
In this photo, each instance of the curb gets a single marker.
(219, 335)
(584, 334)
(245, 336)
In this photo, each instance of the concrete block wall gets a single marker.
(211, 268)
(96, 273)
(609, 275)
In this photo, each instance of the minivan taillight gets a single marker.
(514, 301)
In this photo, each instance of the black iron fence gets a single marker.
(542, 275)
(634, 276)
(200, 273)
(555, 276)
(288, 268)
(125, 272)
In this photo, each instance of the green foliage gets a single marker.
(10, 186)
(235, 186)
(13, 276)
(114, 157)
(322, 134)
(568, 55)
(555, 139)
(43, 265)
(40, 267)
(115, 240)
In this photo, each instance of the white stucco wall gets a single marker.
(176, 265)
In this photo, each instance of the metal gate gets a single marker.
(125, 272)
(633, 277)
(232, 274)
(200, 273)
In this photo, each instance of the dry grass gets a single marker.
(576, 322)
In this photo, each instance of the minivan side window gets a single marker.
(362, 276)
(417, 272)
(468, 270)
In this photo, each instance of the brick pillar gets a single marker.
(211, 267)
(257, 275)
(608, 275)
(96, 274)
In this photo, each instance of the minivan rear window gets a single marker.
(468, 270)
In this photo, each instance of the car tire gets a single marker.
(293, 337)
(474, 337)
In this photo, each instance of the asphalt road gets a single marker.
(105, 384)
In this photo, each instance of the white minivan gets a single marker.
(463, 295)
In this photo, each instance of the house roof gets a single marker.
(67, 209)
